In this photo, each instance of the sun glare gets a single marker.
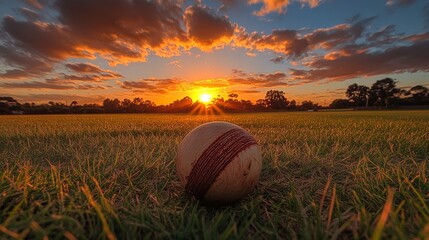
(205, 98)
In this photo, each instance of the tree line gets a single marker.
(382, 94)
(274, 100)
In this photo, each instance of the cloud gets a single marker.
(258, 79)
(251, 54)
(118, 31)
(86, 68)
(399, 2)
(23, 64)
(278, 59)
(211, 83)
(153, 85)
(293, 44)
(280, 6)
(35, 3)
(57, 98)
(398, 59)
(238, 78)
(49, 40)
(246, 91)
(36, 84)
(91, 72)
(86, 77)
(125, 31)
(206, 28)
(175, 63)
(48, 85)
(29, 14)
(226, 4)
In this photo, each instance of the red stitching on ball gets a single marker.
(214, 160)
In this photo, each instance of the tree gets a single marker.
(261, 103)
(419, 91)
(340, 104)
(358, 94)
(73, 104)
(309, 105)
(292, 104)
(419, 95)
(384, 90)
(276, 99)
(111, 105)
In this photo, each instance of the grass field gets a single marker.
(326, 175)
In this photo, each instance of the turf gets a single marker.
(326, 175)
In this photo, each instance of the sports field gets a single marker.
(325, 175)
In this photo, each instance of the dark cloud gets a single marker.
(23, 64)
(48, 85)
(97, 75)
(246, 91)
(86, 77)
(282, 41)
(123, 29)
(329, 38)
(400, 59)
(143, 22)
(29, 14)
(381, 34)
(49, 40)
(56, 98)
(54, 83)
(152, 85)
(206, 28)
(118, 31)
(36, 84)
(278, 59)
(258, 79)
(84, 68)
(294, 45)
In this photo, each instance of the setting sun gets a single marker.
(205, 98)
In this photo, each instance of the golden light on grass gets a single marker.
(205, 98)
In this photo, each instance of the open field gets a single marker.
(325, 175)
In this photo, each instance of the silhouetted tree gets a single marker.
(292, 105)
(420, 94)
(309, 105)
(384, 90)
(358, 94)
(340, 104)
(276, 99)
(111, 105)
(261, 103)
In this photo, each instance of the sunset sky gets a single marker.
(89, 50)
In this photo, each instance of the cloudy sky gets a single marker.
(88, 50)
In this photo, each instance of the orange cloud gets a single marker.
(280, 6)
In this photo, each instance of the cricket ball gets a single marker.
(219, 162)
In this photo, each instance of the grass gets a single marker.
(326, 175)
